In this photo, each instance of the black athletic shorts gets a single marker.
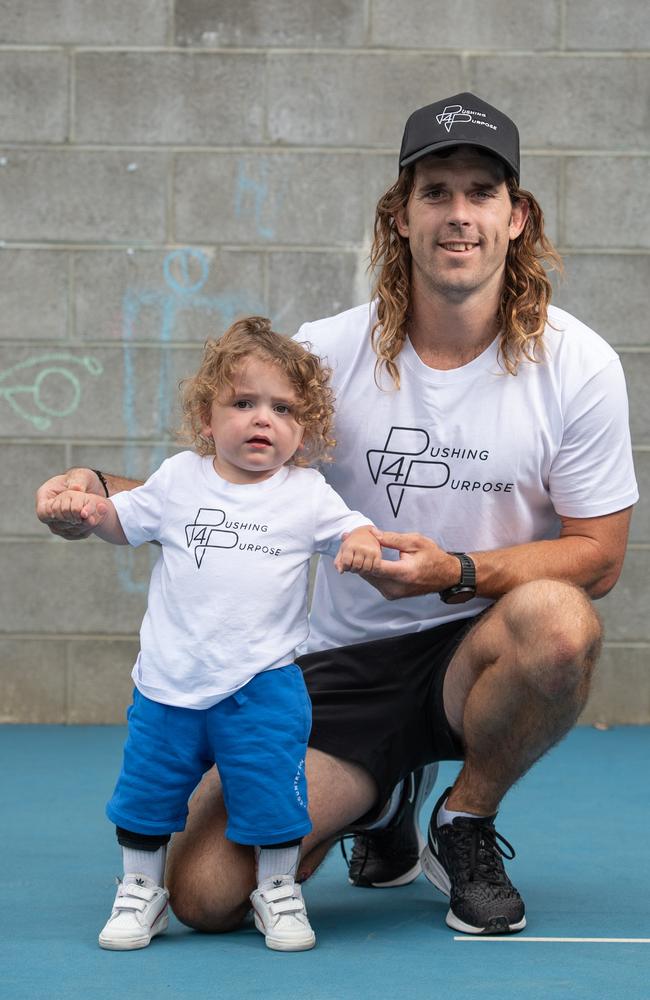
(380, 704)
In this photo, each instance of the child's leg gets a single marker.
(261, 733)
(143, 855)
(280, 912)
(277, 860)
(165, 755)
(140, 909)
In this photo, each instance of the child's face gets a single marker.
(254, 429)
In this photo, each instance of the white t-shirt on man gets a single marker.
(228, 595)
(474, 458)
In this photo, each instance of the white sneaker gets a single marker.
(140, 911)
(280, 915)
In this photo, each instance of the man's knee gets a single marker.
(556, 634)
(198, 909)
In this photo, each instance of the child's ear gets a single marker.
(206, 430)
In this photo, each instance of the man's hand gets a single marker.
(71, 527)
(360, 552)
(422, 568)
(75, 507)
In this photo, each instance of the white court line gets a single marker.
(570, 940)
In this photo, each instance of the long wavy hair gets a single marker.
(522, 312)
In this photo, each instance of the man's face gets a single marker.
(459, 220)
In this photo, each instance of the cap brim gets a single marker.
(447, 144)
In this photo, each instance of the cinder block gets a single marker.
(640, 527)
(73, 588)
(620, 690)
(33, 96)
(568, 102)
(446, 24)
(201, 99)
(624, 25)
(540, 176)
(595, 217)
(99, 680)
(353, 99)
(125, 392)
(190, 293)
(45, 388)
(83, 196)
(282, 23)
(34, 294)
(380, 172)
(291, 198)
(93, 22)
(33, 680)
(637, 374)
(308, 286)
(608, 292)
(625, 609)
(24, 468)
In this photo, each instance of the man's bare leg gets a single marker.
(516, 686)
(210, 878)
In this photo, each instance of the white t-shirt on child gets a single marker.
(228, 595)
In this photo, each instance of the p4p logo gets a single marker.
(403, 470)
(453, 113)
(205, 533)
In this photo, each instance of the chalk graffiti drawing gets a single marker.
(185, 273)
(46, 387)
(252, 193)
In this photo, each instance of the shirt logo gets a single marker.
(204, 533)
(453, 113)
(398, 461)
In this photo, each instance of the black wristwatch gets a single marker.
(465, 590)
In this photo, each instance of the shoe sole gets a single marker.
(438, 877)
(280, 944)
(132, 944)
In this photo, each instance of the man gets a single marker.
(487, 434)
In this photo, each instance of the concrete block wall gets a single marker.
(169, 165)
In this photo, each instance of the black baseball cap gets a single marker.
(463, 119)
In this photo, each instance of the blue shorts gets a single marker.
(258, 739)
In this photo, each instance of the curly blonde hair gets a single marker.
(523, 308)
(222, 359)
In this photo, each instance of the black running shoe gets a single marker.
(464, 861)
(391, 857)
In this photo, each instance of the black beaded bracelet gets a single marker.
(102, 480)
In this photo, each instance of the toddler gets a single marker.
(238, 519)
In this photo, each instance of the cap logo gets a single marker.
(451, 114)
(457, 113)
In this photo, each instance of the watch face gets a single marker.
(458, 595)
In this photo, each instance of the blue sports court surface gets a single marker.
(580, 822)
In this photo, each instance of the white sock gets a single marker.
(149, 863)
(276, 862)
(449, 815)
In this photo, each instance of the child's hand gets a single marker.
(78, 508)
(360, 552)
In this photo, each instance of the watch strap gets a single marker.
(465, 589)
(467, 570)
